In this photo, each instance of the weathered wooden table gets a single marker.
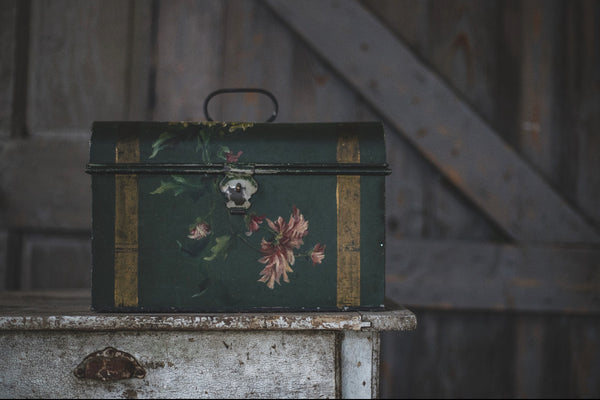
(45, 337)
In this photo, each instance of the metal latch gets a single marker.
(238, 188)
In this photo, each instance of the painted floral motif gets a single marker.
(199, 231)
(277, 249)
(230, 157)
(253, 222)
(318, 254)
(279, 253)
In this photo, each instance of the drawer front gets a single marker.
(177, 364)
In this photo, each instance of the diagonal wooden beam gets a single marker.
(416, 102)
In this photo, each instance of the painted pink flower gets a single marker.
(278, 260)
(318, 253)
(232, 157)
(255, 220)
(199, 231)
(278, 255)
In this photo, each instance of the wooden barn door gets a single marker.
(491, 111)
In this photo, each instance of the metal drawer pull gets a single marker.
(109, 364)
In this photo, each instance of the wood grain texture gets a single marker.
(496, 354)
(452, 274)
(4, 273)
(141, 62)
(44, 184)
(455, 40)
(8, 38)
(55, 261)
(189, 46)
(258, 52)
(539, 133)
(451, 354)
(582, 100)
(77, 64)
(454, 140)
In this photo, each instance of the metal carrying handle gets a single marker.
(243, 90)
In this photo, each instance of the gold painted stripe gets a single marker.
(348, 225)
(126, 226)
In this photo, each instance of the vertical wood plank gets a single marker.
(529, 350)
(317, 94)
(406, 208)
(188, 57)
(55, 261)
(538, 133)
(3, 259)
(77, 64)
(582, 100)
(141, 66)
(258, 53)
(584, 356)
(450, 355)
(8, 38)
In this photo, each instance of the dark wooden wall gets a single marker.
(492, 113)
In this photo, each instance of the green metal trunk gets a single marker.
(218, 216)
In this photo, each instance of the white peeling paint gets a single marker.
(40, 364)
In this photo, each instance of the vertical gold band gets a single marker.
(348, 225)
(126, 226)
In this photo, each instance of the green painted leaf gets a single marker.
(166, 186)
(159, 144)
(220, 248)
(180, 179)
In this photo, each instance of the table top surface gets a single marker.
(70, 310)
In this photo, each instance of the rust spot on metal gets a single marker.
(364, 46)
(155, 364)
(109, 364)
(422, 132)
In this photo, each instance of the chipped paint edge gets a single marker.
(386, 320)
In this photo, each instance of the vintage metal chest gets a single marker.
(214, 216)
